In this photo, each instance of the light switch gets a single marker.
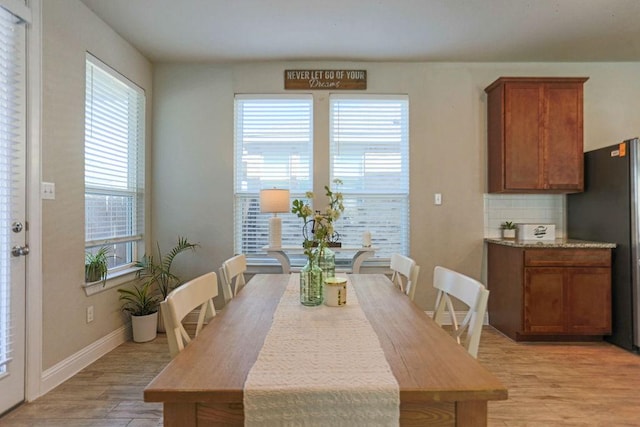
(437, 199)
(48, 190)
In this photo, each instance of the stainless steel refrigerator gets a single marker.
(607, 211)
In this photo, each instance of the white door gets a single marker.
(12, 211)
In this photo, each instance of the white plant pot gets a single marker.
(508, 233)
(144, 327)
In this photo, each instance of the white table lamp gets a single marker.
(274, 201)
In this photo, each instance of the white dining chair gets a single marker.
(451, 286)
(232, 276)
(405, 274)
(198, 292)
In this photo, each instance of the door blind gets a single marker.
(12, 122)
(369, 153)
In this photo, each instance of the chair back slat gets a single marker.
(232, 276)
(451, 286)
(405, 273)
(198, 292)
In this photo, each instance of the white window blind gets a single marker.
(273, 149)
(369, 152)
(114, 163)
(12, 122)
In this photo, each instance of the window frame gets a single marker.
(290, 220)
(134, 190)
(297, 175)
(385, 196)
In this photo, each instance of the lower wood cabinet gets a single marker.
(556, 293)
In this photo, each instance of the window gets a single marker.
(369, 152)
(273, 149)
(114, 164)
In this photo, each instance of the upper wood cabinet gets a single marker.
(535, 135)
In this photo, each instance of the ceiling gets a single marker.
(377, 30)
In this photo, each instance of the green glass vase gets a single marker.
(326, 261)
(311, 284)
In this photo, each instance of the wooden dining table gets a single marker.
(439, 382)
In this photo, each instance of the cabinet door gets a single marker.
(589, 296)
(562, 136)
(544, 300)
(522, 151)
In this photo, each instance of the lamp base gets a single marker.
(275, 232)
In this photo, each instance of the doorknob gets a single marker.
(20, 250)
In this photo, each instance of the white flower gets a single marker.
(306, 211)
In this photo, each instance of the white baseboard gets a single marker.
(459, 317)
(59, 373)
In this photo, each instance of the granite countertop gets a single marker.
(557, 243)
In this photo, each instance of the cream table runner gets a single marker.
(320, 366)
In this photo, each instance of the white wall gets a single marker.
(193, 147)
(69, 30)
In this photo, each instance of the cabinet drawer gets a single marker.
(567, 257)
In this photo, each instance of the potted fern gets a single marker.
(96, 265)
(141, 302)
(156, 272)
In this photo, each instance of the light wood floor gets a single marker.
(578, 384)
(108, 393)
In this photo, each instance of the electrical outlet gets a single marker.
(90, 314)
(437, 199)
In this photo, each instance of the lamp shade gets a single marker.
(274, 200)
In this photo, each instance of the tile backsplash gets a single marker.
(524, 208)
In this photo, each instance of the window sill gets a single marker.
(113, 280)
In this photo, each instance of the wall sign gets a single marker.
(325, 79)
